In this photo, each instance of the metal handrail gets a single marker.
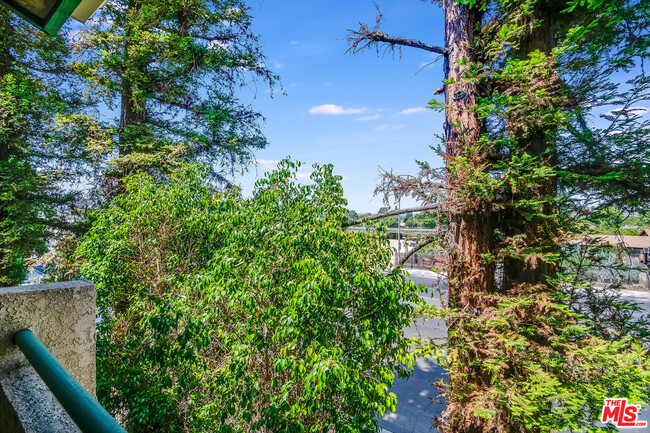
(83, 409)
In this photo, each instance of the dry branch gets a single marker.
(428, 186)
(366, 37)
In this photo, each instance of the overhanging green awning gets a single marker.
(49, 15)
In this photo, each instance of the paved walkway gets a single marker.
(415, 410)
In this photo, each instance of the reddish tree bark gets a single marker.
(539, 232)
(469, 217)
(471, 278)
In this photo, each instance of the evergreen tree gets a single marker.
(43, 138)
(171, 69)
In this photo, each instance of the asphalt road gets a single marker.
(415, 409)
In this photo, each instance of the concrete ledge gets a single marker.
(31, 406)
(61, 315)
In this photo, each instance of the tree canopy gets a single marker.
(228, 314)
(41, 147)
(170, 72)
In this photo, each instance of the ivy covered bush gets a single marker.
(220, 313)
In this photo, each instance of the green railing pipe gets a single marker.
(83, 409)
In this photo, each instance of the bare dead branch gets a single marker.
(366, 37)
(363, 38)
(391, 213)
(428, 186)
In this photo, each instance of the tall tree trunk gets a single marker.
(131, 118)
(132, 114)
(469, 217)
(470, 276)
(540, 230)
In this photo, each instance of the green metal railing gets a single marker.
(84, 410)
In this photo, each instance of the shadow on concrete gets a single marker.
(415, 410)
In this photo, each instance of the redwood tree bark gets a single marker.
(469, 216)
(539, 231)
(132, 130)
(470, 277)
(131, 115)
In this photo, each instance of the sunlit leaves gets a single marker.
(230, 314)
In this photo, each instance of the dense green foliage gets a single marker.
(164, 75)
(228, 314)
(612, 221)
(603, 149)
(541, 68)
(38, 96)
(540, 369)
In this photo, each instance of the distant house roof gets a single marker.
(641, 241)
(645, 232)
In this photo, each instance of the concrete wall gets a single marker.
(62, 316)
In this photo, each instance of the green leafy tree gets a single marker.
(170, 70)
(227, 314)
(612, 221)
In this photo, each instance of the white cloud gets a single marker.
(631, 112)
(388, 126)
(412, 110)
(365, 118)
(335, 109)
(278, 65)
(267, 164)
(293, 43)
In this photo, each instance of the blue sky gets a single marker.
(358, 112)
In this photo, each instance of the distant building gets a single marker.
(628, 258)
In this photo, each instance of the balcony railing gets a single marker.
(83, 409)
